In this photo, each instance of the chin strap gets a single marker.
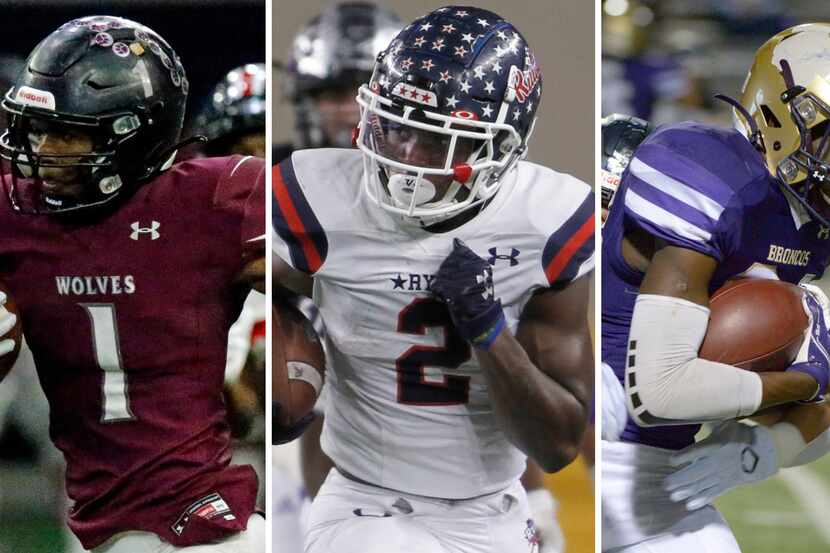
(754, 132)
(164, 157)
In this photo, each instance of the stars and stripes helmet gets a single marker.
(451, 100)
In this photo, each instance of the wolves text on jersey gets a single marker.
(95, 285)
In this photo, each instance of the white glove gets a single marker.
(734, 454)
(614, 410)
(543, 510)
(7, 322)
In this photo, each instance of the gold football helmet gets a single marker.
(787, 96)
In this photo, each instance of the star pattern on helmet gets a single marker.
(467, 57)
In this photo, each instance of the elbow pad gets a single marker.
(666, 382)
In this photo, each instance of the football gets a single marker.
(16, 333)
(755, 324)
(298, 365)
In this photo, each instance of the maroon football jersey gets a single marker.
(128, 321)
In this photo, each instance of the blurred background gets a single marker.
(211, 38)
(663, 61)
(561, 33)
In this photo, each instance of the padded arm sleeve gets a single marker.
(665, 381)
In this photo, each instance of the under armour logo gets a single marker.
(824, 232)
(819, 175)
(152, 230)
(514, 254)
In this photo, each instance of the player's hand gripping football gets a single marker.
(732, 455)
(7, 322)
(465, 283)
(813, 358)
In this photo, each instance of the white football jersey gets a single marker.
(408, 407)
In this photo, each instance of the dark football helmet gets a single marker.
(335, 51)
(236, 107)
(111, 79)
(462, 85)
(621, 134)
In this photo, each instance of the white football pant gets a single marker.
(639, 517)
(349, 517)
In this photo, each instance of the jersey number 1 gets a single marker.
(414, 385)
(116, 402)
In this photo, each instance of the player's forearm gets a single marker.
(541, 416)
(786, 387)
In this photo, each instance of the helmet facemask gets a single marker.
(429, 167)
(812, 118)
(95, 170)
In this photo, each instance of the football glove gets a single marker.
(813, 358)
(732, 455)
(7, 322)
(464, 282)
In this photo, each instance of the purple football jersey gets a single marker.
(708, 190)
(128, 318)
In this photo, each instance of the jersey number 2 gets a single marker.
(116, 402)
(416, 386)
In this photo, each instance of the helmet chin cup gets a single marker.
(410, 191)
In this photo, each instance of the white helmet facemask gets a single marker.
(429, 167)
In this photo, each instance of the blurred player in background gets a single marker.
(329, 59)
(638, 79)
(234, 119)
(353, 482)
(697, 206)
(135, 387)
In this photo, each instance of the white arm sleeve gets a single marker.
(665, 381)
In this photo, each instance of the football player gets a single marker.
(696, 207)
(234, 119)
(453, 280)
(329, 59)
(128, 270)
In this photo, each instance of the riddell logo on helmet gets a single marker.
(33, 97)
(523, 82)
